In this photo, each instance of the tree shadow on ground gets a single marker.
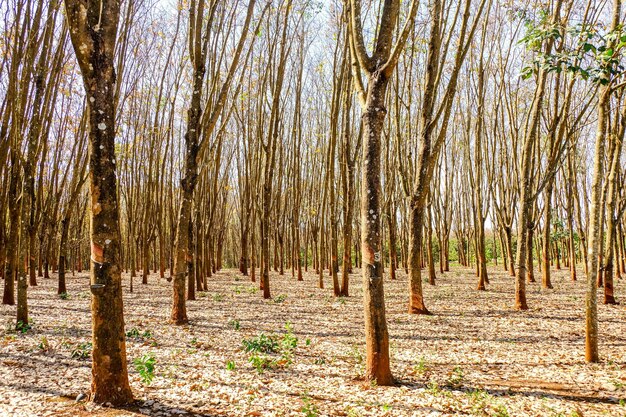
(535, 389)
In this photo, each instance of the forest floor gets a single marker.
(474, 356)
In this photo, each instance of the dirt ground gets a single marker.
(474, 356)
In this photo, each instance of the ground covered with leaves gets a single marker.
(302, 353)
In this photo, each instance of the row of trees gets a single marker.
(220, 134)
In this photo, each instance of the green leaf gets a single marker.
(588, 47)
(526, 73)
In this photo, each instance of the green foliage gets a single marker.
(218, 297)
(433, 387)
(145, 366)
(44, 345)
(359, 362)
(262, 343)
(135, 333)
(501, 411)
(262, 362)
(23, 327)
(421, 366)
(280, 298)
(594, 55)
(479, 400)
(64, 296)
(230, 365)
(320, 361)
(456, 377)
(309, 409)
(539, 30)
(289, 342)
(557, 229)
(271, 350)
(618, 384)
(353, 413)
(82, 350)
(234, 324)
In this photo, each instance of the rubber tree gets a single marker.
(200, 27)
(606, 88)
(378, 68)
(93, 31)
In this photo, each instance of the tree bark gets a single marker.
(93, 31)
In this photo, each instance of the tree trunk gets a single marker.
(13, 241)
(376, 335)
(93, 31)
(65, 227)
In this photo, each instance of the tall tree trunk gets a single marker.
(376, 333)
(183, 257)
(611, 220)
(545, 258)
(65, 228)
(93, 31)
(595, 209)
(13, 240)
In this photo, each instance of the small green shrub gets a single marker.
(289, 343)
(145, 366)
(421, 366)
(43, 345)
(64, 296)
(262, 362)
(309, 409)
(134, 332)
(359, 362)
(23, 327)
(280, 298)
(351, 412)
(82, 350)
(479, 399)
(261, 343)
(264, 346)
(235, 324)
(218, 297)
(501, 411)
(456, 378)
(433, 387)
(230, 365)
